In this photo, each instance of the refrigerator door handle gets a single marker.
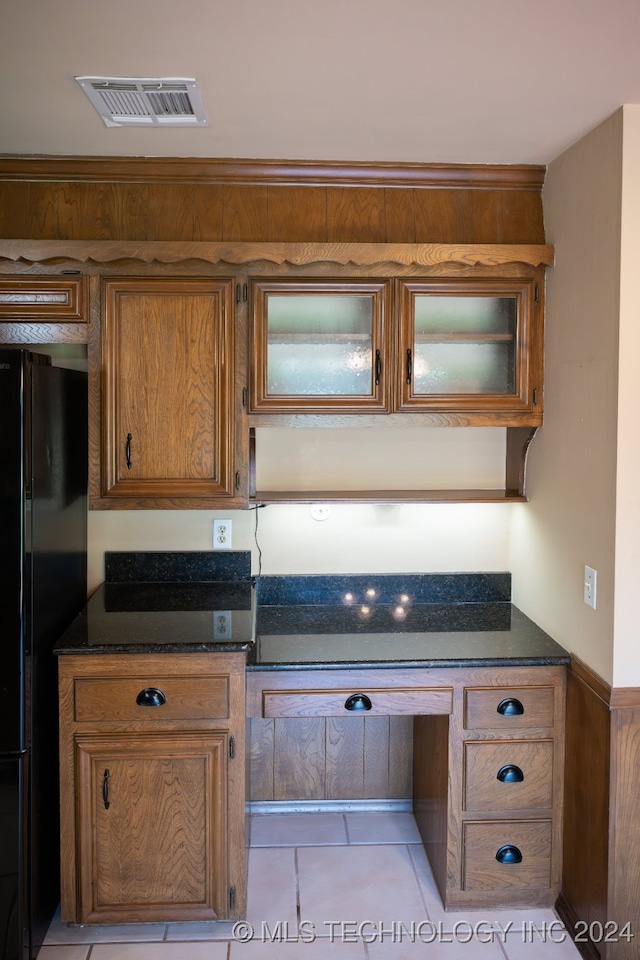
(105, 790)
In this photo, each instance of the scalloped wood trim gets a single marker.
(296, 254)
(291, 172)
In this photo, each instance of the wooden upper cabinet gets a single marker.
(168, 381)
(471, 346)
(320, 346)
(468, 347)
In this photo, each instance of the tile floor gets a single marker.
(356, 886)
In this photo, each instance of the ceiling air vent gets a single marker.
(144, 102)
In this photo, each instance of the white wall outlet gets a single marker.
(221, 534)
(222, 625)
(590, 584)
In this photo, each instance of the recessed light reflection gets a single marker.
(365, 611)
(399, 613)
(371, 592)
(348, 597)
(404, 598)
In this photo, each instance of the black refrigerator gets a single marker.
(43, 562)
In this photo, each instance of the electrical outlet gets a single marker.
(222, 625)
(590, 584)
(222, 534)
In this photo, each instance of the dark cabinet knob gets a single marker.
(510, 773)
(510, 707)
(357, 702)
(151, 697)
(509, 854)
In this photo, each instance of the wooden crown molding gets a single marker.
(263, 172)
(296, 254)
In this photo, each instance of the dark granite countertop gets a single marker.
(200, 602)
(196, 602)
(424, 635)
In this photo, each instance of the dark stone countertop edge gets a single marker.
(443, 664)
(150, 648)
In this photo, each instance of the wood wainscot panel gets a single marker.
(584, 897)
(333, 758)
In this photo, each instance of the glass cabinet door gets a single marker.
(319, 346)
(466, 345)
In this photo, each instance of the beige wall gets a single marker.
(398, 538)
(571, 518)
(354, 539)
(626, 668)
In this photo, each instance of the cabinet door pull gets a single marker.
(127, 451)
(409, 366)
(378, 367)
(510, 773)
(510, 707)
(509, 854)
(105, 790)
(357, 702)
(151, 697)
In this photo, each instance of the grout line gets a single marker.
(420, 886)
(296, 870)
(346, 828)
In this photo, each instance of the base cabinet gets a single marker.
(488, 765)
(152, 808)
(502, 813)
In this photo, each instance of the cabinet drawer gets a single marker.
(149, 698)
(357, 703)
(52, 299)
(511, 774)
(511, 708)
(485, 841)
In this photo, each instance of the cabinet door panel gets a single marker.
(152, 828)
(320, 346)
(168, 355)
(470, 345)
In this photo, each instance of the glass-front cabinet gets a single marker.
(320, 346)
(469, 347)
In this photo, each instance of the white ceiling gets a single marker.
(460, 81)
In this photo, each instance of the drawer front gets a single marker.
(153, 699)
(508, 708)
(357, 703)
(508, 775)
(44, 299)
(485, 840)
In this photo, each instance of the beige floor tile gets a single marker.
(358, 883)
(316, 950)
(527, 946)
(297, 829)
(272, 891)
(160, 951)
(382, 828)
(104, 933)
(441, 949)
(200, 930)
(65, 951)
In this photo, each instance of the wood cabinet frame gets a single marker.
(103, 259)
(146, 736)
(379, 399)
(526, 400)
